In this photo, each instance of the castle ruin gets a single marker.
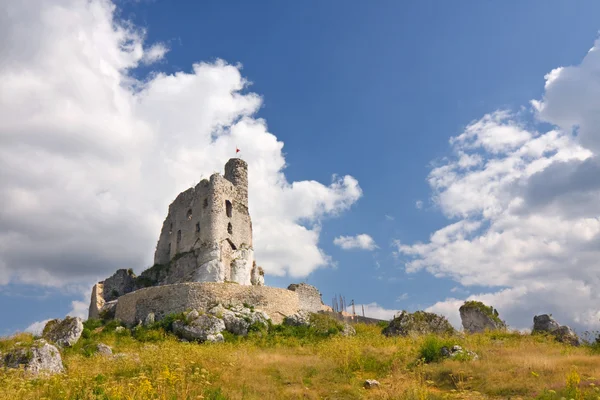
(205, 240)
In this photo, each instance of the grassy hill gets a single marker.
(302, 363)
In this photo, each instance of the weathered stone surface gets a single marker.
(121, 282)
(149, 320)
(301, 318)
(544, 323)
(108, 310)
(97, 301)
(211, 222)
(456, 351)
(418, 323)
(476, 317)
(39, 358)
(199, 329)
(120, 329)
(103, 349)
(562, 333)
(238, 319)
(63, 333)
(348, 330)
(177, 298)
(371, 384)
(309, 296)
(257, 275)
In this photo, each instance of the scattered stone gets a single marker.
(103, 349)
(149, 320)
(218, 338)
(238, 319)
(120, 329)
(200, 328)
(418, 323)
(39, 358)
(64, 333)
(457, 350)
(301, 318)
(562, 333)
(348, 330)
(371, 384)
(476, 317)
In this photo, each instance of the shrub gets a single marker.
(431, 349)
(144, 334)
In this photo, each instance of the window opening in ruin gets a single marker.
(205, 203)
(171, 228)
(231, 244)
(229, 228)
(228, 208)
(197, 226)
(178, 236)
(189, 214)
(169, 249)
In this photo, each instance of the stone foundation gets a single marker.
(167, 299)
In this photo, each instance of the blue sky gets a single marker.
(374, 91)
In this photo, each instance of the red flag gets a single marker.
(237, 150)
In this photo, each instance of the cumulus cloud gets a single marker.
(523, 207)
(374, 310)
(37, 327)
(362, 242)
(91, 157)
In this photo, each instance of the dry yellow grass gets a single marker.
(510, 366)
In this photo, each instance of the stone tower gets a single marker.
(207, 234)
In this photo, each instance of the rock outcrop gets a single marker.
(301, 318)
(203, 328)
(37, 358)
(418, 323)
(476, 317)
(239, 319)
(544, 323)
(63, 333)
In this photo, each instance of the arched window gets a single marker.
(205, 203)
(229, 228)
(178, 236)
(197, 226)
(189, 214)
(228, 208)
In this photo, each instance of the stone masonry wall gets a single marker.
(163, 300)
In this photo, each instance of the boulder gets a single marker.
(476, 317)
(257, 277)
(348, 330)
(38, 358)
(301, 318)
(103, 349)
(149, 320)
(562, 333)
(418, 323)
(238, 319)
(199, 329)
(64, 333)
(371, 384)
(457, 350)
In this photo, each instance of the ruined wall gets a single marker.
(309, 296)
(212, 221)
(163, 300)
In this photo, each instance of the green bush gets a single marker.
(144, 334)
(431, 349)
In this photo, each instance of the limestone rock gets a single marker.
(120, 283)
(200, 328)
(97, 301)
(103, 349)
(257, 277)
(476, 317)
(418, 323)
(120, 329)
(544, 323)
(194, 314)
(108, 310)
(39, 358)
(64, 333)
(218, 338)
(562, 333)
(301, 318)
(149, 320)
(371, 384)
(238, 319)
(348, 330)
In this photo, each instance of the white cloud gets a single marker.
(402, 297)
(36, 328)
(374, 310)
(419, 204)
(362, 241)
(389, 217)
(525, 211)
(91, 157)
